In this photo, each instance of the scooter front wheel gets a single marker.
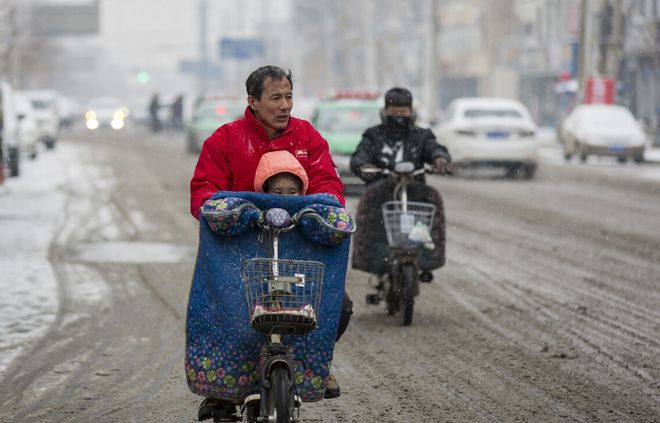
(391, 294)
(280, 396)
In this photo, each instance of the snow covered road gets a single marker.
(547, 309)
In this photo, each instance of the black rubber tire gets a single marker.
(391, 296)
(409, 279)
(529, 171)
(252, 413)
(280, 396)
(511, 171)
(14, 162)
(583, 154)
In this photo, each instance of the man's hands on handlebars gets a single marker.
(442, 166)
(369, 172)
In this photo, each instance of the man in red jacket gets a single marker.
(230, 156)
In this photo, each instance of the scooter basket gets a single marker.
(399, 222)
(283, 296)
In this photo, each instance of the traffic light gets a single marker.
(143, 77)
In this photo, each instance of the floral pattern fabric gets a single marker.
(326, 225)
(230, 216)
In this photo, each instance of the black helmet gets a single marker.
(399, 97)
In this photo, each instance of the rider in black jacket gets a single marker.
(398, 139)
(395, 140)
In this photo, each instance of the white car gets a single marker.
(490, 132)
(105, 112)
(602, 130)
(44, 105)
(28, 131)
(10, 145)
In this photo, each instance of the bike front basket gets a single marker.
(400, 221)
(283, 296)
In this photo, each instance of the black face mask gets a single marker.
(398, 122)
(396, 127)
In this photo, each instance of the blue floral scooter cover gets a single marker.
(222, 348)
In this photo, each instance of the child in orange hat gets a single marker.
(278, 172)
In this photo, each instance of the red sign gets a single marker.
(599, 91)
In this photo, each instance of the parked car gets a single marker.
(342, 121)
(105, 112)
(44, 105)
(209, 114)
(28, 131)
(490, 132)
(10, 156)
(602, 130)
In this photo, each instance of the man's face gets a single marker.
(398, 111)
(274, 107)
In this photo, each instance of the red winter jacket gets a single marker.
(230, 156)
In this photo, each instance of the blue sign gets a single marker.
(241, 48)
(199, 67)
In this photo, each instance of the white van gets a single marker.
(9, 138)
(44, 105)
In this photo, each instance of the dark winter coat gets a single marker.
(380, 147)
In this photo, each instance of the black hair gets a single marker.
(289, 175)
(255, 82)
(399, 97)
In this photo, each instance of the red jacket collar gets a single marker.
(259, 128)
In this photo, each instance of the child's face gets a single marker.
(283, 184)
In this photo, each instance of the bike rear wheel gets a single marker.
(280, 396)
(408, 279)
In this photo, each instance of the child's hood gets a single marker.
(274, 162)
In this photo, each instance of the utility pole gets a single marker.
(203, 47)
(584, 65)
(370, 43)
(616, 44)
(430, 77)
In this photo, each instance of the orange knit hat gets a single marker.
(274, 162)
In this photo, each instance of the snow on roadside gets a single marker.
(30, 211)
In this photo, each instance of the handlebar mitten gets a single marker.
(230, 216)
(325, 225)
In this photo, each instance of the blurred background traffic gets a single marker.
(179, 67)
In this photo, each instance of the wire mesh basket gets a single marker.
(283, 296)
(400, 222)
